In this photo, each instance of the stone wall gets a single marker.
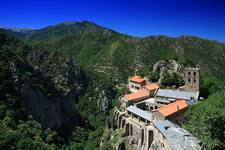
(139, 134)
(132, 86)
(158, 116)
(159, 142)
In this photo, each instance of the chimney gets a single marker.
(178, 107)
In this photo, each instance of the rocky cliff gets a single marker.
(167, 73)
(55, 112)
(44, 84)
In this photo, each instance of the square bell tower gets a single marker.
(192, 79)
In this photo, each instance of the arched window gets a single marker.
(151, 108)
(189, 80)
(189, 73)
(194, 73)
(156, 107)
(194, 80)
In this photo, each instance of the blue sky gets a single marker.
(202, 18)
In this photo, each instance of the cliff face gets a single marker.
(51, 111)
(67, 77)
(167, 73)
(49, 103)
(43, 84)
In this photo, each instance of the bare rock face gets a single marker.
(67, 76)
(51, 111)
(103, 102)
(47, 86)
(159, 65)
(171, 65)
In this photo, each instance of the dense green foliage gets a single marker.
(206, 120)
(169, 79)
(113, 143)
(210, 85)
(89, 108)
(117, 56)
(154, 76)
(17, 129)
(25, 134)
(107, 58)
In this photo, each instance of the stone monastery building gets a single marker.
(150, 116)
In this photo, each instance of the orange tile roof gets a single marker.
(171, 108)
(152, 86)
(137, 79)
(137, 95)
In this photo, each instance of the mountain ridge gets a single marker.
(104, 51)
(68, 23)
(46, 83)
(107, 59)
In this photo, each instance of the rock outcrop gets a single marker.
(167, 73)
(56, 111)
(103, 102)
(46, 87)
(67, 77)
(171, 65)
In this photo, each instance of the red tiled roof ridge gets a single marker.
(171, 108)
(152, 86)
(134, 96)
(137, 79)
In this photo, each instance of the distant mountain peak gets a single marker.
(85, 22)
(88, 22)
(21, 30)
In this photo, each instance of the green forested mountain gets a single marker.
(116, 55)
(38, 90)
(81, 63)
(52, 33)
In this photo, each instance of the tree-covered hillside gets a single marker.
(206, 120)
(38, 92)
(117, 56)
(18, 130)
(106, 59)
